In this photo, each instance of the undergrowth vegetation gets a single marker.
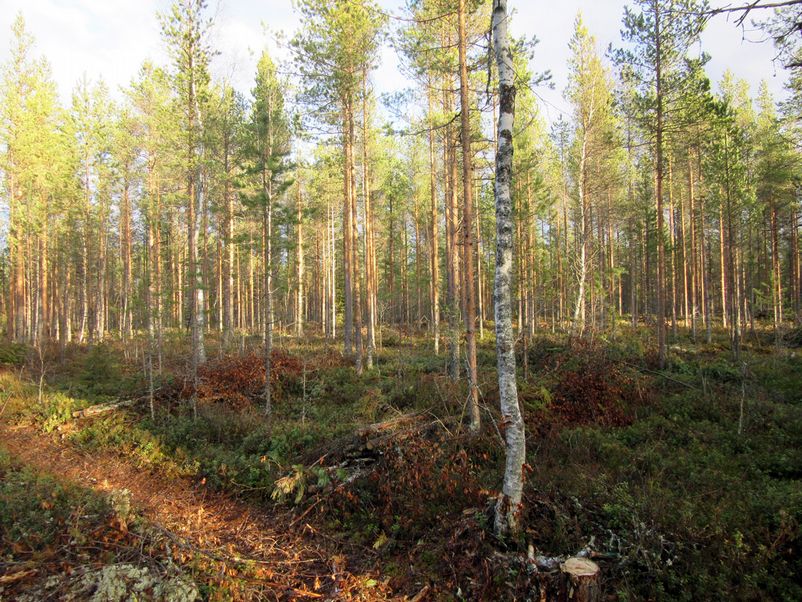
(686, 483)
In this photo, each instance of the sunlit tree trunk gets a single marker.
(370, 260)
(44, 267)
(673, 241)
(228, 262)
(348, 330)
(694, 262)
(452, 256)
(355, 265)
(125, 251)
(661, 259)
(722, 267)
(299, 263)
(509, 501)
(584, 224)
(434, 242)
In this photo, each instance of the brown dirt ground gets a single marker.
(296, 561)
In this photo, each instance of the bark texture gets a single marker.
(509, 501)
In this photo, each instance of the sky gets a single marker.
(111, 39)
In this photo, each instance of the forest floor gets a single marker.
(682, 483)
(197, 522)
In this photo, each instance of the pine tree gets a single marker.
(267, 164)
(185, 31)
(335, 46)
(660, 33)
(590, 93)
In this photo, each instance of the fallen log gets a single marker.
(372, 440)
(102, 408)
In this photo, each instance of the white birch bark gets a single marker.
(579, 308)
(299, 266)
(509, 501)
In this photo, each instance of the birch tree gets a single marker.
(508, 505)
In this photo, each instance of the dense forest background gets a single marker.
(120, 213)
(181, 223)
(147, 213)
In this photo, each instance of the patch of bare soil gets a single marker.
(288, 560)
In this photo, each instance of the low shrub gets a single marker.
(12, 354)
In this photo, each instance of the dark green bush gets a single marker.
(12, 354)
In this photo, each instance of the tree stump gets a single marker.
(583, 579)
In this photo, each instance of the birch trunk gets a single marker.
(299, 266)
(579, 308)
(508, 504)
(267, 229)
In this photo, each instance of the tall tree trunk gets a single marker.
(100, 292)
(390, 262)
(684, 261)
(731, 284)
(299, 264)
(693, 264)
(228, 263)
(418, 288)
(776, 270)
(509, 502)
(348, 347)
(480, 306)
(13, 308)
(332, 278)
(434, 242)
(405, 269)
(722, 267)
(125, 251)
(44, 320)
(355, 265)
(661, 258)
(584, 219)
(267, 308)
(452, 255)
(371, 284)
(704, 255)
(672, 240)
(467, 224)
(794, 267)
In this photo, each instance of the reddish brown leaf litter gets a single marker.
(284, 563)
(586, 386)
(238, 381)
